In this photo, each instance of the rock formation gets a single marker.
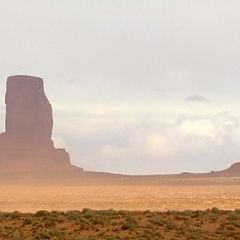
(232, 171)
(26, 146)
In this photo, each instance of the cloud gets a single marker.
(188, 143)
(113, 152)
(158, 146)
(198, 127)
(196, 98)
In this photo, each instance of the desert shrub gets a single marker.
(17, 235)
(124, 213)
(58, 214)
(187, 213)
(87, 213)
(98, 220)
(108, 213)
(49, 221)
(215, 210)
(28, 221)
(158, 221)
(85, 210)
(196, 214)
(129, 224)
(170, 226)
(147, 212)
(233, 216)
(51, 233)
(15, 215)
(212, 217)
(41, 213)
(73, 215)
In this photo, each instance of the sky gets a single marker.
(136, 86)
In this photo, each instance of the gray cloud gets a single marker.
(196, 98)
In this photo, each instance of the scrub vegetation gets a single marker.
(116, 225)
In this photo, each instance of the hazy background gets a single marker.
(137, 86)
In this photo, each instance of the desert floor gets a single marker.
(133, 194)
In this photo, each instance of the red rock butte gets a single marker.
(27, 145)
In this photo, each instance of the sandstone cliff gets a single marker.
(26, 146)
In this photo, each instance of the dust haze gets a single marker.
(123, 105)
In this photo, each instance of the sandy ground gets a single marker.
(177, 195)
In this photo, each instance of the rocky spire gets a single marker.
(26, 146)
(28, 111)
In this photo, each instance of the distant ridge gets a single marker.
(232, 171)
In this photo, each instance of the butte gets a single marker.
(26, 146)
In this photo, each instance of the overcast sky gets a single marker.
(137, 86)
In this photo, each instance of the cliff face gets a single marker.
(28, 111)
(26, 146)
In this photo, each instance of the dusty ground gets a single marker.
(133, 194)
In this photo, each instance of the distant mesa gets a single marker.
(26, 145)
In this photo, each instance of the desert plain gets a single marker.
(129, 193)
